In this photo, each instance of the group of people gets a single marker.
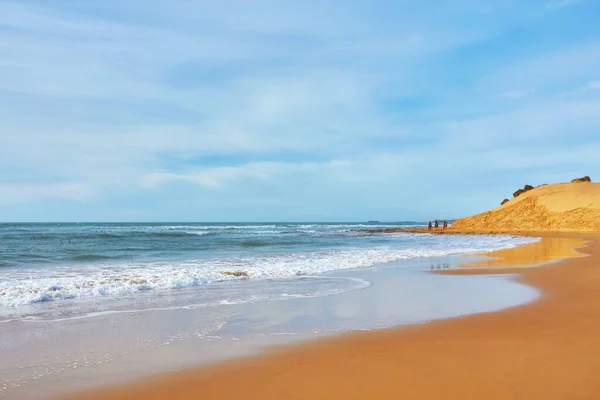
(437, 225)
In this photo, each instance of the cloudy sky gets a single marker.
(276, 110)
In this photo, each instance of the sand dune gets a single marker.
(560, 207)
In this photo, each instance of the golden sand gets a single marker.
(564, 207)
(549, 349)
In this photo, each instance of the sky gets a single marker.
(313, 110)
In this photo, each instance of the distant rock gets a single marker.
(584, 179)
(504, 202)
(526, 188)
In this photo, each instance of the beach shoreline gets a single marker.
(57, 348)
(497, 352)
(461, 231)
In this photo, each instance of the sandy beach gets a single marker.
(299, 200)
(546, 349)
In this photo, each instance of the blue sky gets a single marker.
(186, 110)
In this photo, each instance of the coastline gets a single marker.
(67, 348)
(461, 231)
(547, 348)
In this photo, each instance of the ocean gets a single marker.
(63, 270)
(92, 304)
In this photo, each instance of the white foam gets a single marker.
(100, 280)
(319, 286)
(206, 227)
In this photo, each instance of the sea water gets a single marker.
(110, 299)
(71, 270)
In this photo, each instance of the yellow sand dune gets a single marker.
(565, 207)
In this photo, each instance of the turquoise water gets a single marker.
(70, 270)
(90, 304)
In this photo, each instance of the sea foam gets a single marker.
(20, 287)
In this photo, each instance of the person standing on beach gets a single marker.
(429, 226)
(445, 224)
(437, 224)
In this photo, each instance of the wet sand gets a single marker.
(548, 249)
(548, 349)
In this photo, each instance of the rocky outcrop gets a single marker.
(504, 202)
(527, 188)
(519, 192)
(584, 179)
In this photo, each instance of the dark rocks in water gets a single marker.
(584, 179)
(504, 201)
(372, 222)
(235, 273)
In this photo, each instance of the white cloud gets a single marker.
(535, 125)
(570, 64)
(558, 4)
(593, 85)
(517, 94)
(156, 97)
(62, 54)
(19, 193)
(262, 171)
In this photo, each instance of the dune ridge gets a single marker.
(560, 207)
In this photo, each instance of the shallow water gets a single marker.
(123, 300)
(42, 357)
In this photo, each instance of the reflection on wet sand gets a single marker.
(546, 250)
